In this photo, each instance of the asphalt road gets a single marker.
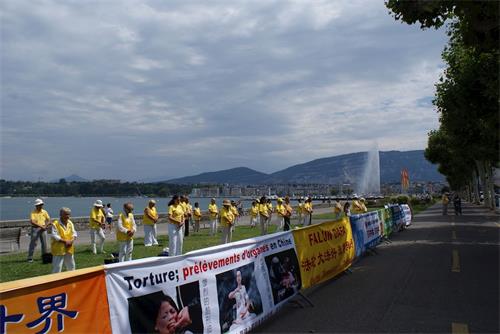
(441, 275)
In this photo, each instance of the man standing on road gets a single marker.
(96, 223)
(445, 201)
(40, 221)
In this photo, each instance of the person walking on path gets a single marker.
(214, 214)
(125, 231)
(445, 200)
(109, 217)
(149, 221)
(197, 217)
(280, 210)
(457, 204)
(264, 215)
(40, 221)
(288, 214)
(96, 223)
(175, 222)
(254, 213)
(63, 236)
(227, 219)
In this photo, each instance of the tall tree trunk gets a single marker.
(475, 186)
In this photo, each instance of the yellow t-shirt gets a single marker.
(177, 213)
(66, 233)
(212, 208)
(280, 209)
(126, 223)
(197, 214)
(152, 211)
(300, 208)
(263, 210)
(234, 210)
(40, 218)
(226, 217)
(254, 211)
(96, 215)
(307, 208)
(269, 207)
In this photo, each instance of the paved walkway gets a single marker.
(439, 276)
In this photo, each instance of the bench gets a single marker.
(9, 237)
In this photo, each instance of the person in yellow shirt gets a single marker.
(307, 211)
(197, 217)
(445, 200)
(149, 220)
(356, 206)
(264, 215)
(280, 210)
(125, 231)
(63, 236)
(288, 213)
(300, 212)
(213, 210)
(40, 221)
(362, 201)
(337, 210)
(227, 218)
(175, 224)
(234, 210)
(270, 210)
(188, 213)
(96, 223)
(254, 212)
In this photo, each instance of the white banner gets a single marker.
(228, 288)
(407, 214)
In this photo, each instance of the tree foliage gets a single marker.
(467, 94)
(94, 188)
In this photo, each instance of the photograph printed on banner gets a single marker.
(239, 298)
(284, 274)
(162, 313)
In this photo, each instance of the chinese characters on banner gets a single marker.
(324, 250)
(228, 288)
(366, 231)
(63, 305)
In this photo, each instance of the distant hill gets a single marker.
(333, 170)
(240, 175)
(72, 178)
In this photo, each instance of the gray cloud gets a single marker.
(139, 89)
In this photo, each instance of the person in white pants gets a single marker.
(149, 221)
(175, 226)
(63, 235)
(281, 211)
(125, 231)
(213, 210)
(227, 219)
(96, 223)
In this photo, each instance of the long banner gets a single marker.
(229, 288)
(72, 302)
(324, 250)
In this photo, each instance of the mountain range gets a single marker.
(332, 170)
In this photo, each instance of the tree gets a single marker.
(466, 144)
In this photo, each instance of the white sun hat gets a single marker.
(98, 203)
(38, 202)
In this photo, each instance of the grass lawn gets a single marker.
(14, 266)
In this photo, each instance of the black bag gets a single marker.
(46, 258)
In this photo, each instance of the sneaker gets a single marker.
(30, 260)
(148, 245)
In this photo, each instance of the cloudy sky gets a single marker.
(140, 90)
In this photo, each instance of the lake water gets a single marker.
(21, 207)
